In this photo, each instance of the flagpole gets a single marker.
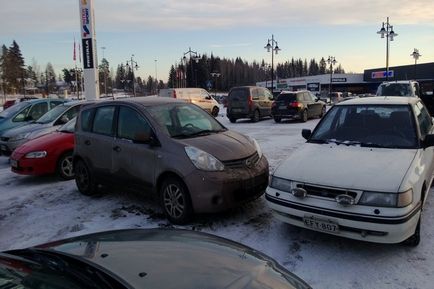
(76, 76)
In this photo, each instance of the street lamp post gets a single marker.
(387, 30)
(131, 64)
(195, 57)
(215, 75)
(332, 61)
(274, 48)
(416, 56)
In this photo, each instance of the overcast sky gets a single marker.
(163, 30)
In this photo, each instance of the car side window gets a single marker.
(424, 119)
(37, 110)
(307, 97)
(268, 95)
(300, 97)
(22, 115)
(255, 94)
(103, 121)
(86, 119)
(69, 114)
(55, 103)
(132, 126)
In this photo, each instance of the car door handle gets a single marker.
(117, 149)
(87, 142)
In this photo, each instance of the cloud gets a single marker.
(138, 15)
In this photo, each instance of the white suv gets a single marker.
(364, 172)
(399, 88)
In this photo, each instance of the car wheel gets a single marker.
(256, 116)
(414, 240)
(84, 179)
(232, 120)
(65, 168)
(277, 119)
(175, 201)
(304, 116)
(215, 111)
(323, 111)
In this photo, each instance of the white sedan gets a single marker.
(364, 172)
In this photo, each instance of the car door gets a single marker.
(268, 101)
(314, 107)
(96, 145)
(133, 159)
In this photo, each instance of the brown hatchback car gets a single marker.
(171, 148)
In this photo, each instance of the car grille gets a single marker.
(4, 138)
(326, 192)
(242, 163)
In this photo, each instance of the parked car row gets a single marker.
(382, 148)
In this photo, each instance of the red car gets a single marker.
(48, 154)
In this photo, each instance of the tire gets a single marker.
(175, 201)
(256, 116)
(65, 168)
(277, 119)
(84, 179)
(304, 116)
(215, 111)
(323, 111)
(232, 120)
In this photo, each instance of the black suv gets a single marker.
(249, 102)
(297, 104)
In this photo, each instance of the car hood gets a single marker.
(50, 140)
(227, 145)
(167, 258)
(344, 166)
(31, 127)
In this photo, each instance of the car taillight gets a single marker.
(296, 104)
(250, 101)
(174, 94)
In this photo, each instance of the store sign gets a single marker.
(382, 74)
(87, 53)
(339, 79)
(313, 86)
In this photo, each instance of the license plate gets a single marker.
(236, 109)
(321, 225)
(282, 107)
(14, 163)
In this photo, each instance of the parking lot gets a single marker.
(34, 210)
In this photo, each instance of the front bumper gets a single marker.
(362, 227)
(35, 167)
(219, 191)
(7, 147)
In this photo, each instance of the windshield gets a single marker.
(388, 126)
(53, 114)
(184, 120)
(11, 111)
(394, 89)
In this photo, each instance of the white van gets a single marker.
(198, 96)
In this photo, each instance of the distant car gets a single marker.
(47, 123)
(364, 173)
(252, 102)
(300, 105)
(26, 111)
(197, 96)
(48, 154)
(11, 102)
(335, 97)
(399, 88)
(171, 148)
(144, 258)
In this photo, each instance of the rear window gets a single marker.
(287, 97)
(239, 94)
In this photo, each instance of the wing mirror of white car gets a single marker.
(428, 141)
(306, 133)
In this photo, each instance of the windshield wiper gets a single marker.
(198, 133)
(344, 142)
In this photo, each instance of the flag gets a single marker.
(74, 57)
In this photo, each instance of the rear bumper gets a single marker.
(369, 228)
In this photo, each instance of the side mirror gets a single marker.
(208, 97)
(306, 133)
(271, 98)
(428, 141)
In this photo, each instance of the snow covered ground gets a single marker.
(35, 210)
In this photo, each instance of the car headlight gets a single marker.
(203, 160)
(387, 199)
(36, 155)
(19, 136)
(281, 184)
(257, 147)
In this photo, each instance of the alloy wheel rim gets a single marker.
(173, 200)
(66, 166)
